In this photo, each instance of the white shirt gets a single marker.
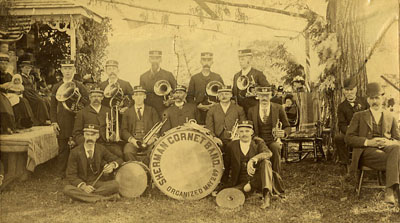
(262, 108)
(96, 109)
(245, 147)
(376, 115)
(246, 71)
(141, 110)
(179, 104)
(158, 70)
(225, 107)
(87, 151)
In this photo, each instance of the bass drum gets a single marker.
(133, 178)
(186, 163)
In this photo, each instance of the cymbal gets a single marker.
(230, 198)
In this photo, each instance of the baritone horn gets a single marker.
(162, 88)
(70, 97)
(244, 83)
(212, 90)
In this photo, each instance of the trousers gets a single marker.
(103, 189)
(387, 159)
(131, 153)
(342, 149)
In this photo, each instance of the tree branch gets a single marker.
(205, 7)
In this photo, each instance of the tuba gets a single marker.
(244, 83)
(212, 88)
(70, 97)
(162, 88)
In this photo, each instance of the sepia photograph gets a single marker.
(199, 111)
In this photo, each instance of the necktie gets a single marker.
(90, 154)
(139, 114)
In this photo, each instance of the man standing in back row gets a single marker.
(255, 77)
(197, 86)
(151, 77)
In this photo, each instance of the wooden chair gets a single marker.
(360, 180)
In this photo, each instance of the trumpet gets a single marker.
(72, 100)
(244, 83)
(278, 133)
(234, 131)
(151, 134)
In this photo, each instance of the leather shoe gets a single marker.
(389, 196)
(266, 202)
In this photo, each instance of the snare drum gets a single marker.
(186, 164)
(133, 178)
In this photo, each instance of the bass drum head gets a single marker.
(132, 178)
(186, 164)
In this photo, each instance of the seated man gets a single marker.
(136, 122)
(180, 112)
(95, 113)
(247, 164)
(86, 162)
(345, 112)
(374, 136)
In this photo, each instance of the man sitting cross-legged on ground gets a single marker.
(247, 161)
(374, 136)
(85, 164)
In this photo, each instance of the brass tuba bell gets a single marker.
(244, 83)
(212, 88)
(162, 88)
(68, 93)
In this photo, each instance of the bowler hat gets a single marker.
(374, 89)
(350, 83)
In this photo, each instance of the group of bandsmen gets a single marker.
(252, 160)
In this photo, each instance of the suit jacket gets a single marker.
(360, 129)
(345, 112)
(129, 119)
(89, 116)
(77, 171)
(217, 120)
(60, 115)
(258, 150)
(125, 86)
(259, 79)
(197, 86)
(176, 116)
(148, 80)
(277, 112)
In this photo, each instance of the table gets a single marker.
(25, 150)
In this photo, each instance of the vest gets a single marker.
(377, 128)
(139, 129)
(243, 175)
(266, 129)
(91, 167)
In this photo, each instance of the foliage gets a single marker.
(53, 47)
(91, 47)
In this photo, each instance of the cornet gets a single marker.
(151, 134)
(278, 132)
(234, 131)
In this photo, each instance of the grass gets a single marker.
(315, 192)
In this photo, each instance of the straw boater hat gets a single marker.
(245, 124)
(138, 89)
(374, 89)
(113, 63)
(245, 52)
(206, 55)
(91, 128)
(227, 88)
(155, 53)
(350, 83)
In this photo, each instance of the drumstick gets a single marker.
(98, 178)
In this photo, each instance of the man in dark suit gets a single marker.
(247, 164)
(37, 102)
(266, 116)
(85, 164)
(62, 119)
(180, 112)
(278, 97)
(346, 109)
(374, 136)
(197, 86)
(96, 113)
(112, 70)
(136, 122)
(254, 76)
(221, 117)
(151, 77)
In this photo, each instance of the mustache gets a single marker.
(206, 66)
(89, 141)
(97, 100)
